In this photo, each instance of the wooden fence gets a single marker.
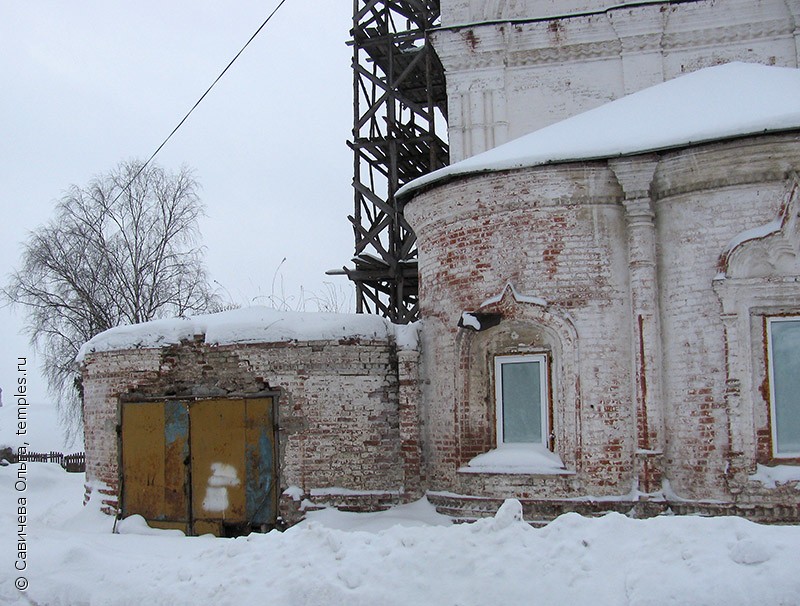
(73, 463)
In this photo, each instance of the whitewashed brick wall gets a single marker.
(540, 230)
(514, 66)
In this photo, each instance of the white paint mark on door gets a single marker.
(222, 476)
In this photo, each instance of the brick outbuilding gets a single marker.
(227, 422)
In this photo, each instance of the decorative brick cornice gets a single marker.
(545, 55)
(641, 43)
(728, 34)
(529, 45)
(719, 164)
(565, 54)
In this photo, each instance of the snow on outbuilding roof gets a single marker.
(246, 325)
(721, 102)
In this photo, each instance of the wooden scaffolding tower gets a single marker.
(400, 110)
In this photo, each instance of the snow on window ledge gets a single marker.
(526, 459)
(772, 477)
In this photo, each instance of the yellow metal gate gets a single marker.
(203, 466)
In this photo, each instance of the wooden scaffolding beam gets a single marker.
(399, 118)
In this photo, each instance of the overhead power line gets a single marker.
(203, 96)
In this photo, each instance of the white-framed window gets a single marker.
(783, 339)
(521, 396)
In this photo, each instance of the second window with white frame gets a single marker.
(784, 382)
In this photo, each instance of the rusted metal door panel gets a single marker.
(261, 493)
(217, 459)
(154, 456)
(176, 462)
(221, 452)
(143, 459)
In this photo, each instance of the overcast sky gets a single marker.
(89, 83)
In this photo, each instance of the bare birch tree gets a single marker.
(113, 254)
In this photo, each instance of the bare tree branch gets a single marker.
(111, 255)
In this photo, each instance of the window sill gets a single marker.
(517, 459)
(776, 476)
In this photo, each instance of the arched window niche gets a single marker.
(758, 286)
(519, 389)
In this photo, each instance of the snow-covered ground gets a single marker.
(406, 556)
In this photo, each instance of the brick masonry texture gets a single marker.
(339, 407)
(617, 271)
(555, 235)
(563, 237)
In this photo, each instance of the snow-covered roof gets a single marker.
(725, 101)
(247, 325)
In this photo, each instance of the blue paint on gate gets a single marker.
(260, 473)
(176, 424)
(259, 481)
